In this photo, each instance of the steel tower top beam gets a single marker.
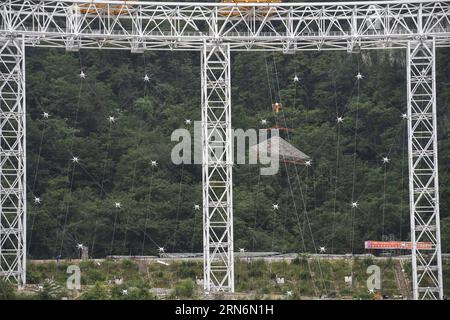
(284, 27)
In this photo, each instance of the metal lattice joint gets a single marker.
(423, 169)
(12, 160)
(217, 164)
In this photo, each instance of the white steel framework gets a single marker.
(12, 160)
(215, 29)
(217, 165)
(423, 169)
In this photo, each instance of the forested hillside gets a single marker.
(115, 202)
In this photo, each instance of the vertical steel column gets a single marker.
(217, 166)
(423, 169)
(12, 160)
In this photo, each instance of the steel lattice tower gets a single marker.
(12, 160)
(215, 30)
(423, 169)
(217, 164)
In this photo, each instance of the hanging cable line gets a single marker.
(256, 206)
(339, 120)
(39, 155)
(138, 144)
(336, 180)
(284, 217)
(303, 198)
(305, 212)
(147, 211)
(274, 220)
(194, 231)
(290, 187)
(111, 120)
(114, 231)
(102, 182)
(72, 237)
(383, 208)
(180, 198)
(354, 204)
(72, 162)
(67, 208)
(37, 200)
(338, 135)
(117, 206)
(404, 133)
(105, 162)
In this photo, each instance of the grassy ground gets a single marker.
(304, 277)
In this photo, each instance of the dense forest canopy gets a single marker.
(115, 202)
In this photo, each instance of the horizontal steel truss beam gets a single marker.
(217, 169)
(284, 27)
(12, 161)
(423, 170)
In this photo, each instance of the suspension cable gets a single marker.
(30, 237)
(102, 181)
(403, 178)
(302, 195)
(383, 208)
(149, 200)
(180, 199)
(292, 194)
(138, 144)
(256, 205)
(355, 148)
(71, 169)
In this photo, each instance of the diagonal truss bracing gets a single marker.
(287, 27)
(217, 166)
(12, 160)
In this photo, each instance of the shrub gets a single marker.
(304, 275)
(35, 276)
(7, 291)
(97, 292)
(188, 270)
(185, 288)
(129, 265)
(301, 259)
(50, 291)
(91, 276)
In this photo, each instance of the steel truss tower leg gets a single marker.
(217, 166)
(12, 161)
(423, 170)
